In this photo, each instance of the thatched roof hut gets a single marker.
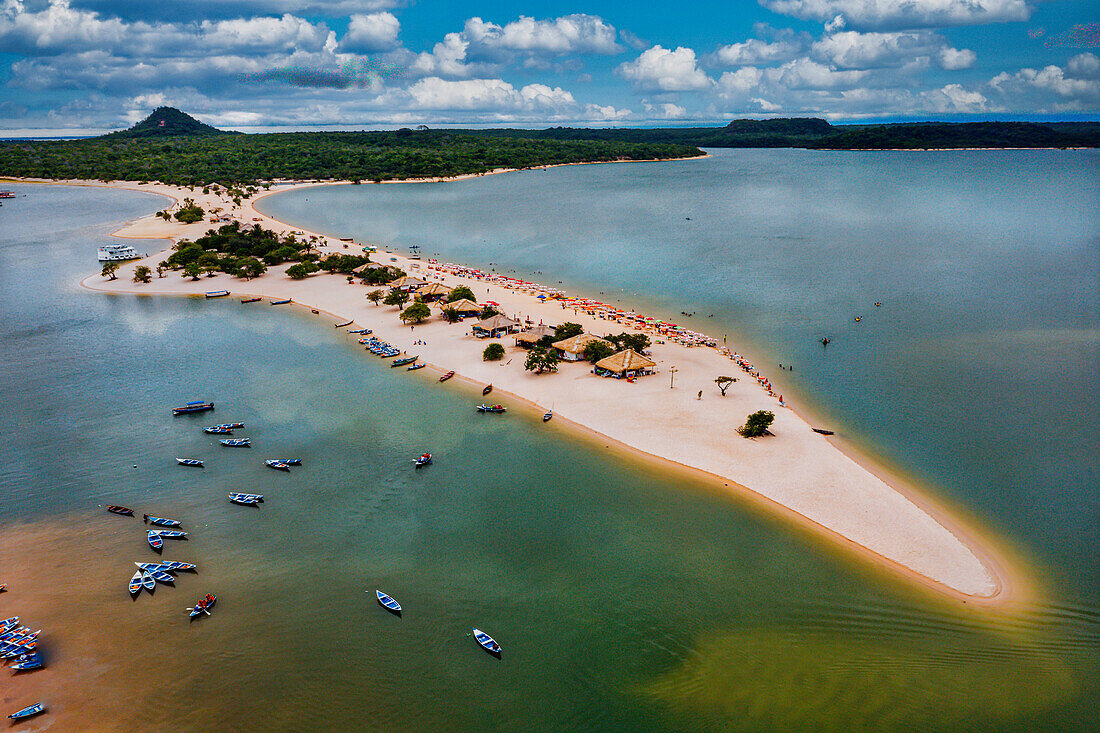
(461, 306)
(572, 348)
(626, 361)
(493, 325)
(434, 290)
(534, 335)
(406, 282)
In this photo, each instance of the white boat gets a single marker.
(487, 642)
(117, 253)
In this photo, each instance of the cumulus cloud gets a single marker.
(373, 32)
(953, 59)
(888, 14)
(665, 70)
(434, 93)
(1073, 88)
(856, 50)
(756, 51)
(664, 111)
(605, 113)
(569, 34)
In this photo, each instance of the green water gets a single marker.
(625, 599)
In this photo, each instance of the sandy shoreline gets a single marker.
(798, 474)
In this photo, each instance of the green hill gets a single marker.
(167, 122)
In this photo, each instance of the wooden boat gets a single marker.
(245, 499)
(171, 534)
(388, 602)
(3, 587)
(189, 462)
(27, 712)
(8, 623)
(204, 605)
(27, 662)
(403, 361)
(281, 302)
(151, 566)
(363, 331)
(822, 431)
(343, 325)
(161, 576)
(237, 442)
(176, 565)
(147, 582)
(548, 416)
(290, 461)
(487, 642)
(414, 367)
(277, 464)
(491, 408)
(135, 583)
(447, 376)
(197, 406)
(487, 390)
(155, 540)
(314, 311)
(218, 430)
(423, 460)
(217, 293)
(250, 300)
(123, 510)
(162, 522)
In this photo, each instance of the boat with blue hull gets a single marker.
(218, 430)
(28, 662)
(388, 602)
(155, 540)
(217, 293)
(236, 442)
(423, 460)
(28, 711)
(487, 642)
(403, 361)
(189, 462)
(162, 522)
(203, 606)
(246, 499)
(135, 584)
(196, 406)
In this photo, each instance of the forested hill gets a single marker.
(167, 122)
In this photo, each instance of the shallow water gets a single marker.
(624, 598)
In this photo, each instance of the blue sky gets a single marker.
(91, 65)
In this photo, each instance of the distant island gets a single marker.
(172, 147)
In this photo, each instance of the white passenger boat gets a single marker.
(118, 252)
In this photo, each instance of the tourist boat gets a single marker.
(414, 367)
(27, 662)
(492, 408)
(196, 406)
(171, 534)
(218, 430)
(135, 583)
(123, 510)
(487, 390)
(388, 602)
(447, 376)
(237, 442)
(487, 642)
(204, 605)
(162, 522)
(343, 325)
(147, 582)
(161, 576)
(216, 293)
(250, 300)
(423, 460)
(155, 540)
(245, 499)
(281, 302)
(27, 712)
(176, 565)
(277, 464)
(117, 253)
(548, 416)
(189, 462)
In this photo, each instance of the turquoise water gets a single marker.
(625, 598)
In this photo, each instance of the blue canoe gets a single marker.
(26, 662)
(189, 462)
(237, 442)
(155, 540)
(388, 601)
(162, 522)
(196, 406)
(28, 711)
(487, 643)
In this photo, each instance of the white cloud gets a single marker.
(661, 69)
(733, 83)
(883, 14)
(259, 35)
(1052, 88)
(485, 94)
(756, 51)
(605, 113)
(1084, 66)
(664, 111)
(808, 74)
(953, 59)
(954, 99)
(568, 34)
(372, 32)
(448, 57)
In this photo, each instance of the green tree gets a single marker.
(142, 274)
(376, 295)
(461, 292)
(540, 359)
(396, 297)
(757, 424)
(301, 270)
(452, 315)
(724, 383)
(189, 213)
(487, 312)
(596, 350)
(192, 270)
(250, 267)
(568, 330)
(162, 266)
(109, 270)
(416, 312)
(493, 352)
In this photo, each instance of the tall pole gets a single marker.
(671, 376)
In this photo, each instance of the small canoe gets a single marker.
(281, 302)
(487, 642)
(277, 464)
(176, 565)
(236, 442)
(28, 711)
(147, 582)
(548, 416)
(343, 325)
(250, 300)
(244, 499)
(204, 605)
(3, 587)
(190, 407)
(314, 311)
(414, 367)
(162, 522)
(27, 661)
(388, 602)
(491, 408)
(218, 430)
(135, 583)
(8, 623)
(447, 376)
(487, 390)
(217, 293)
(155, 540)
(151, 566)
(123, 510)
(362, 331)
(162, 577)
(290, 461)
(189, 462)
(822, 431)
(423, 460)
(171, 534)
(231, 425)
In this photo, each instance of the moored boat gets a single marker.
(250, 300)
(196, 406)
(403, 361)
(290, 461)
(162, 522)
(217, 293)
(155, 540)
(388, 602)
(28, 711)
(161, 576)
(487, 642)
(27, 662)
(491, 408)
(447, 376)
(281, 302)
(171, 534)
(343, 325)
(236, 442)
(176, 565)
(423, 460)
(151, 566)
(487, 390)
(246, 499)
(147, 582)
(123, 510)
(277, 464)
(232, 425)
(135, 583)
(218, 430)
(548, 416)
(414, 367)
(117, 253)
(189, 462)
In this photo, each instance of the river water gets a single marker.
(625, 598)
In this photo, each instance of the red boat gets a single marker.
(123, 510)
(447, 376)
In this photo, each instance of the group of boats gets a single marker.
(150, 573)
(483, 640)
(21, 644)
(381, 348)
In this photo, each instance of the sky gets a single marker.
(69, 66)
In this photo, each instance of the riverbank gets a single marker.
(798, 473)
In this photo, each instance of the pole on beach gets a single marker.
(671, 376)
